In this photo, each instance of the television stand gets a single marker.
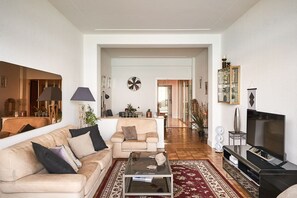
(260, 176)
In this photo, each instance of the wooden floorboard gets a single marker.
(183, 143)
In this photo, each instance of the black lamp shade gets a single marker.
(82, 94)
(50, 94)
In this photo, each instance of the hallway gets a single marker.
(182, 143)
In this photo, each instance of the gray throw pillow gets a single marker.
(129, 132)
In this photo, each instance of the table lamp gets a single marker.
(52, 94)
(82, 94)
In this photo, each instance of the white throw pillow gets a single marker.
(70, 153)
(81, 145)
(62, 153)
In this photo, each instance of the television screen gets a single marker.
(266, 131)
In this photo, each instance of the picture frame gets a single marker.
(252, 98)
(3, 81)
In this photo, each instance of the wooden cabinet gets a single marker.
(229, 85)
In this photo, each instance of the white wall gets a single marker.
(264, 43)
(36, 35)
(149, 70)
(92, 66)
(201, 72)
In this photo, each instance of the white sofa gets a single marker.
(23, 176)
(147, 137)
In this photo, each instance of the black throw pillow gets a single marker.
(51, 162)
(96, 138)
(25, 128)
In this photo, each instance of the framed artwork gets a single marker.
(3, 81)
(134, 83)
(252, 98)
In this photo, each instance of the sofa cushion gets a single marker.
(45, 183)
(51, 162)
(20, 159)
(142, 125)
(102, 157)
(62, 153)
(81, 145)
(97, 140)
(134, 145)
(129, 132)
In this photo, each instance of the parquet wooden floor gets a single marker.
(184, 144)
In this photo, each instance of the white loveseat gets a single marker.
(147, 137)
(23, 176)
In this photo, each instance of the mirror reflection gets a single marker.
(29, 99)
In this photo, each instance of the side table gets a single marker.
(240, 135)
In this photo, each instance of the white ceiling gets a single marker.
(152, 16)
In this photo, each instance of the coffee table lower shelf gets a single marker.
(161, 185)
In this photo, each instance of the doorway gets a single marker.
(173, 101)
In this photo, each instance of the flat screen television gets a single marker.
(266, 131)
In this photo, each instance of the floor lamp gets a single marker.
(82, 94)
(51, 94)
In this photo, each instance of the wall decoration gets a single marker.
(134, 83)
(206, 88)
(252, 98)
(200, 82)
(3, 81)
(103, 82)
(219, 139)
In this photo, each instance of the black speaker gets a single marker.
(109, 112)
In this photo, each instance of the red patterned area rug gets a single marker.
(191, 178)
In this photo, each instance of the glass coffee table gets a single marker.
(141, 179)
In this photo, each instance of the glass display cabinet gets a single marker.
(229, 85)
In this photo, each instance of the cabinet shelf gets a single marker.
(229, 85)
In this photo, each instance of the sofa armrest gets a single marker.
(152, 137)
(109, 144)
(117, 137)
(46, 183)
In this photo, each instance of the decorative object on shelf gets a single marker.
(129, 112)
(219, 139)
(134, 83)
(236, 120)
(148, 113)
(252, 98)
(229, 85)
(52, 94)
(82, 94)
(199, 116)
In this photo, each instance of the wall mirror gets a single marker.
(29, 99)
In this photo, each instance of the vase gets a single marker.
(236, 120)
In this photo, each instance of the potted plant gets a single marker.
(199, 116)
(90, 118)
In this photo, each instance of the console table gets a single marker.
(260, 177)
